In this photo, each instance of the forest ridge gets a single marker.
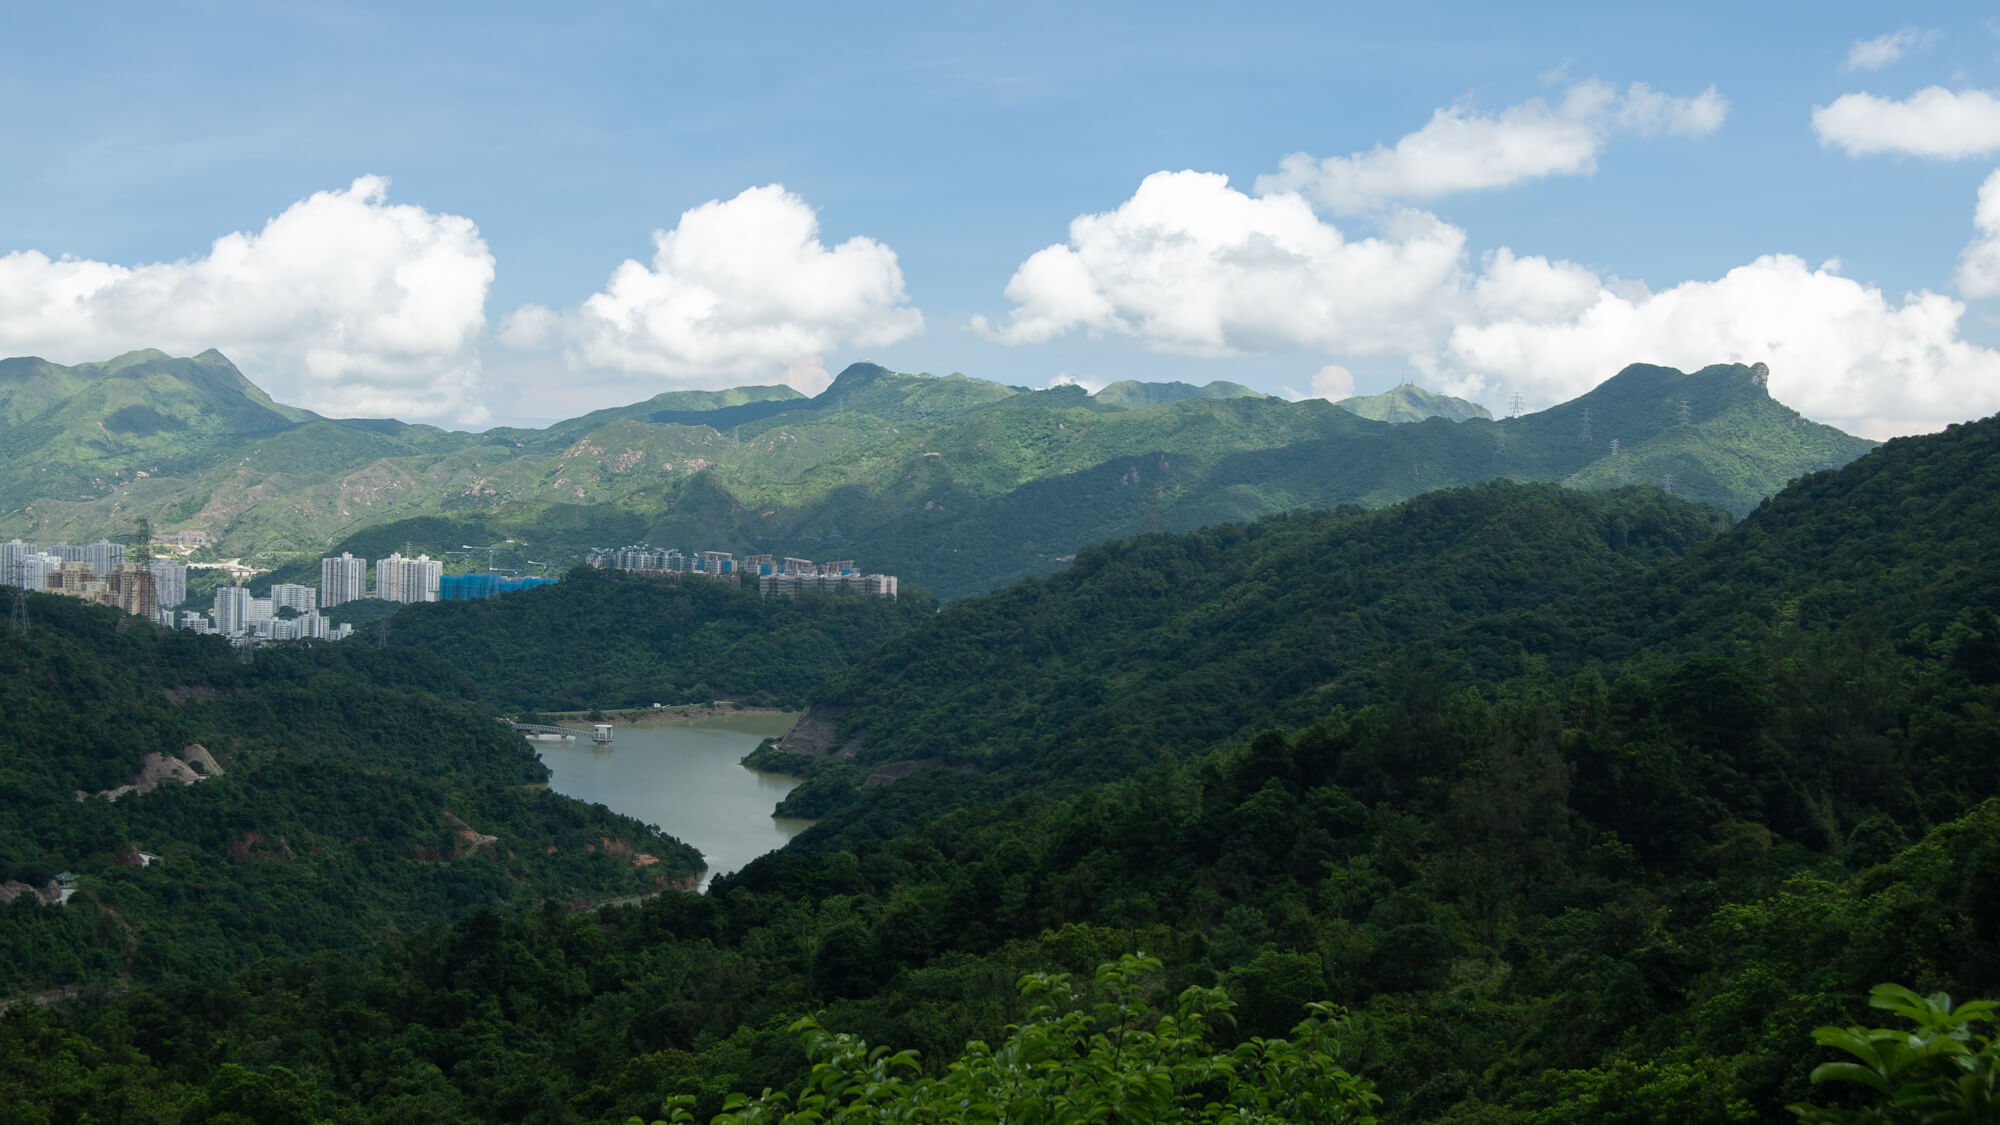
(955, 484)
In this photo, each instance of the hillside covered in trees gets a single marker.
(357, 796)
(953, 483)
(608, 639)
(1577, 808)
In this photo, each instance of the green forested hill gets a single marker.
(1185, 640)
(1131, 392)
(966, 489)
(1411, 403)
(1550, 882)
(362, 797)
(954, 483)
(1895, 548)
(603, 639)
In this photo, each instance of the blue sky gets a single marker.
(524, 154)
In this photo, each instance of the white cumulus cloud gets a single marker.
(1463, 150)
(1979, 265)
(739, 289)
(1189, 264)
(1333, 383)
(1933, 122)
(344, 303)
(1088, 383)
(1876, 53)
(1839, 351)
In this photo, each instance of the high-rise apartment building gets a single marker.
(232, 610)
(291, 594)
(341, 580)
(398, 579)
(170, 581)
(29, 571)
(104, 556)
(13, 557)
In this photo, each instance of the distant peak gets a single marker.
(1132, 393)
(861, 372)
(134, 358)
(1408, 402)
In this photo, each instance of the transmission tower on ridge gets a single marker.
(20, 582)
(1514, 406)
(1586, 425)
(1684, 412)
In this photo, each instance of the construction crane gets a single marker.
(469, 549)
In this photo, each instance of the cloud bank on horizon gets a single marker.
(1191, 265)
(352, 305)
(346, 303)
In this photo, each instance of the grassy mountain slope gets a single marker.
(1131, 392)
(719, 409)
(955, 483)
(1411, 403)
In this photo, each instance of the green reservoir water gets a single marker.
(686, 777)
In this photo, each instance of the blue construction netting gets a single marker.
(460, 587)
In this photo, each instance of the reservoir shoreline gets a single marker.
(683, 773)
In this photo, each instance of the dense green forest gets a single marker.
(362, 795)
(1578, 808)
(607, 639)
(1184, 640)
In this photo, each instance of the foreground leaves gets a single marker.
(1111, 1062)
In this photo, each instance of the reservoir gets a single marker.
(687, 777)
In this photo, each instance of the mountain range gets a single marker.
(955, 483)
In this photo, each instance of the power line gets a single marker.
(20, 621)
